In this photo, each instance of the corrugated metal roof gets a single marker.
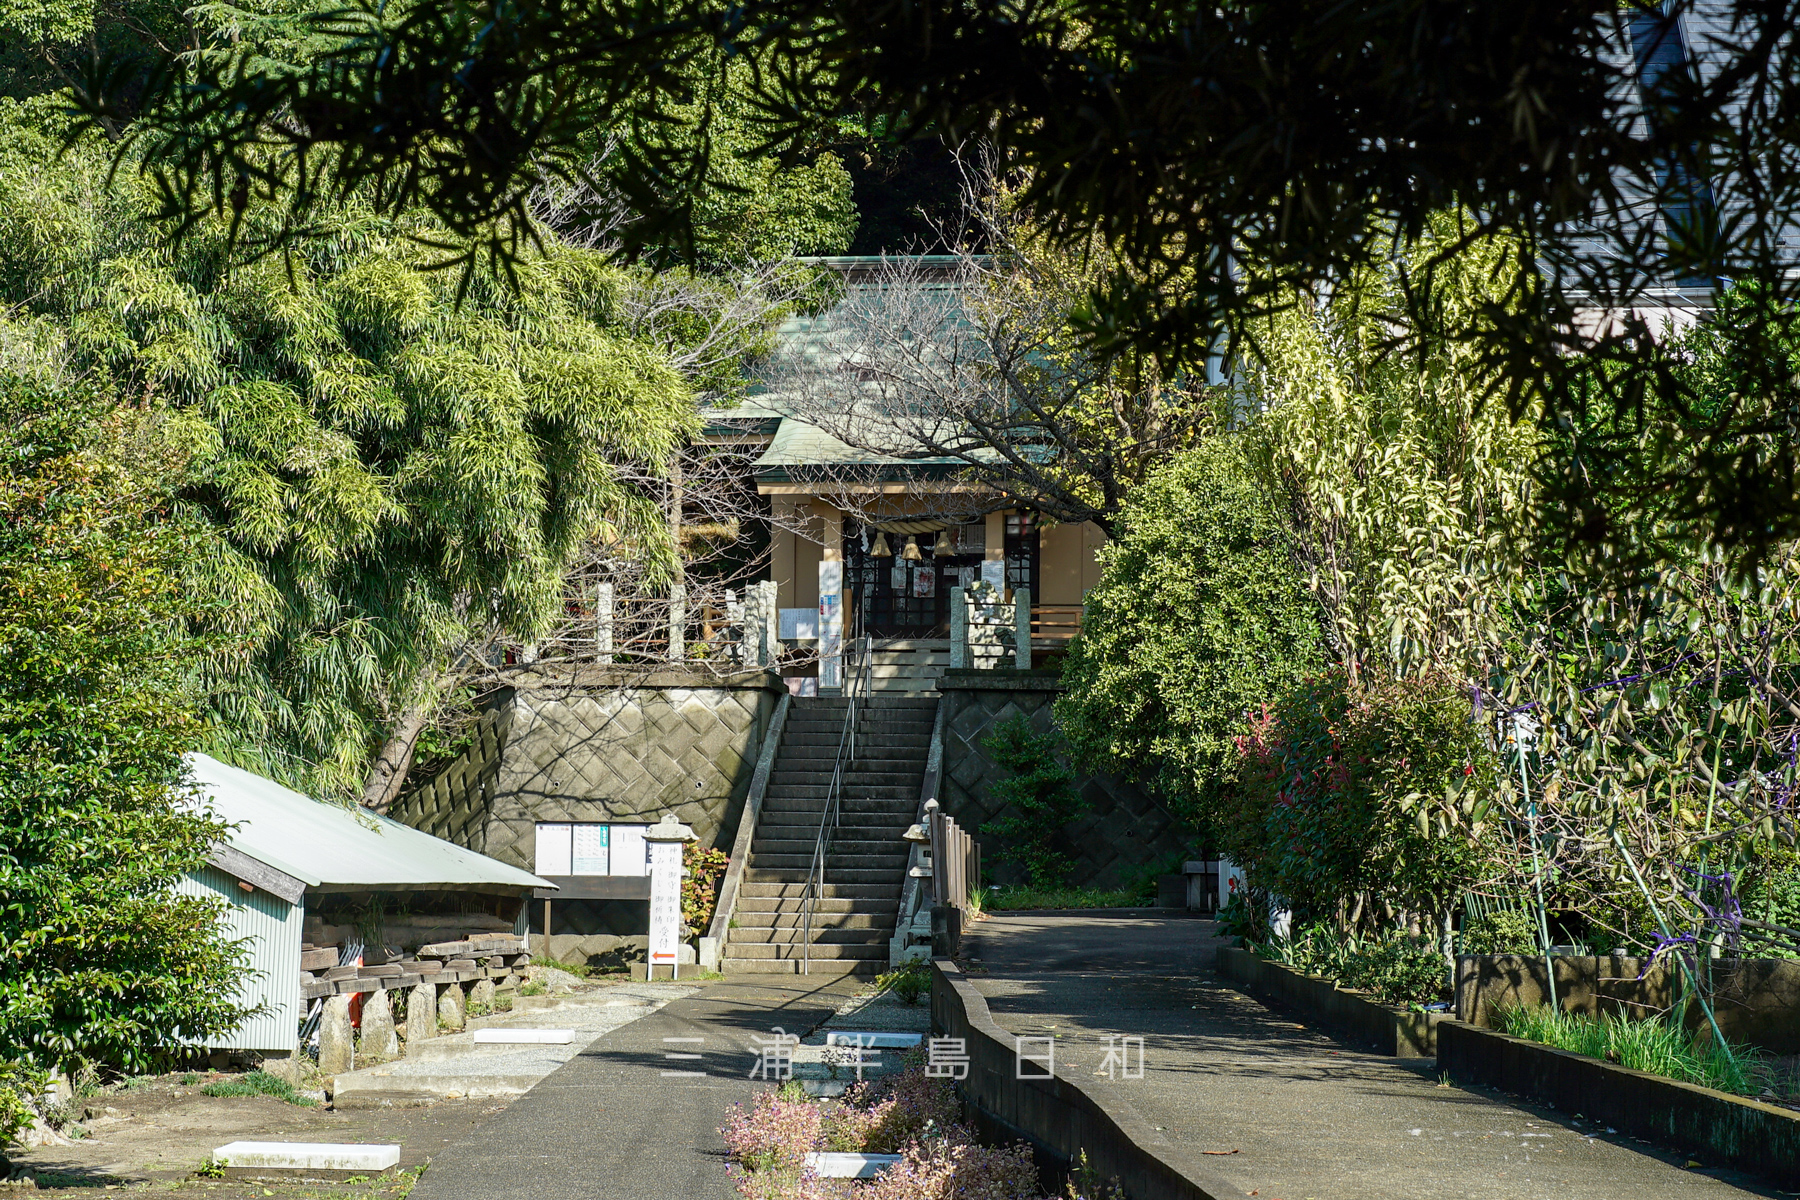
(326, 845)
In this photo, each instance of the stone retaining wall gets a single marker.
(1125, 831)
(1757, 1000)
(1356, 1015)
(598, 744)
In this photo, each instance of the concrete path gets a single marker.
(1289, 1113)
(454, 1066)
(610, 1125)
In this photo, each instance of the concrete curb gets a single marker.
(1057, 1114)
(1747, 1134)
(1355, 1015)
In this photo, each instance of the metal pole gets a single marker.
(1537, 869)
(1663, 925)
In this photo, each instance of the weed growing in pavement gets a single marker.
(908, 981)
(533, 988)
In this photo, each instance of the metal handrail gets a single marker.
(828, 817)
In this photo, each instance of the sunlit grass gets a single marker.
(1019, 896)
(1654, 1045)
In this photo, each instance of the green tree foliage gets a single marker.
(1363, 803)
(1395, 481)
(1304, 136)
(99, 960)
(1198, 617)
(1039, 798)
(388, 472)
(1659, 728)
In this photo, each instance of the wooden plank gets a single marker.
(343, 972)
(319, 960)
(460, 964)
(312, 989)
(260, 874)
(596, 887)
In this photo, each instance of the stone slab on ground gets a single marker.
(304, 1160)
(155, 1135)
(523, 1037)
(838, 1165)
(873, 1038)
(1283, 1110)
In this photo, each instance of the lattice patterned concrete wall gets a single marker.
(454, 803)
(671, 743)
(1124, 831)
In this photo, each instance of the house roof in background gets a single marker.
(325, 845)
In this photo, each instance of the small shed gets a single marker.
(303, 878)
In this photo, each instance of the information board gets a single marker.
(588, 851)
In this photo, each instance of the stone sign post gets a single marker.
(665, 839)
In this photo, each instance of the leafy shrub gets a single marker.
(1504, 931)
(1654, 1045)
(532, 988)
(1396, 968)
(1016, 897)
(700, 887)
(1199, 615)
(775, 1132)
(1381, 790)
(19, 1082)
(257, 1083)
(904, 1106)
(954, 1167)
(101, 960)
(1040, 798)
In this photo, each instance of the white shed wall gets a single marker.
(273, 927)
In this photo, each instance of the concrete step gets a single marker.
(802, 777)
(794, 919)
(826, 968)
(790, 935)
(796, 874)
(885, 726)
(850, 867)
(801, 839)
(836, 889)
(817, 748)
(769, 906)
(839, 950)
(812, 793)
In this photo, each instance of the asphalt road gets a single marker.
(609, 1125)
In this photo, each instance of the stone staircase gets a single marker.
(908, 666)
(854, 917)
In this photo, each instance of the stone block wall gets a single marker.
(1125, 829)
(598, 744)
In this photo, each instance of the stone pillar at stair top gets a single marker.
(378, 1036)
(452, 1008)
(421, 1015)
(1022, 629)
(603, 623)
(959, 630)
(832, 617)
(337, 1040)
